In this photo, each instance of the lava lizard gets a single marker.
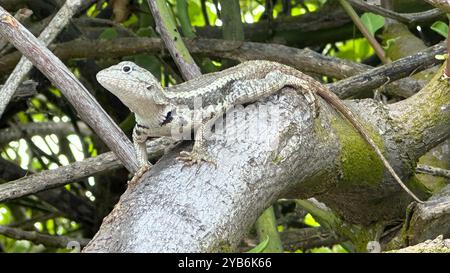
(156, 109)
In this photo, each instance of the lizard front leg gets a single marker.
(140, 146)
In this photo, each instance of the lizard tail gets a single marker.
(334, 100)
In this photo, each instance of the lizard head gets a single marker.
(131, 83)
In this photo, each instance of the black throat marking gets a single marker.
(168, 118)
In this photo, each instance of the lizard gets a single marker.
(157, 109)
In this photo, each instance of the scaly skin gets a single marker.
(158, 110)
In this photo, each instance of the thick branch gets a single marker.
(88, 109)
(438, 245)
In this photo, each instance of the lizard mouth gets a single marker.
(102, 78)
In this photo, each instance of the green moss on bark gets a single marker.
(359, 163)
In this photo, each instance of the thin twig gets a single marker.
(81, 99)
(167, 28)
(42, 129)
(24, 66)
(398, 69)
(359, 24)
(73, 172)
(441, 4)
(407, 18)
(433, 171)
(39, 238)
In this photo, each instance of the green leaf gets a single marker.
(109, 34)
(373, 22)
(260, 247)
(310, 221)
(441, 28)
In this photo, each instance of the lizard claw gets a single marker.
(142, 170)
(196, 157)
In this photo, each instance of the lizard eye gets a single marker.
(127, 69)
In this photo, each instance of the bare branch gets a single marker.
(306, 238)
(47, 36)
(443, 5)
(407, 18)
(433, 171)
(438, 245)
(39, 238)
(166, 27)
(21, 15)
(369, 80)
(72, 173)
(360, 25)
(305, 60)
(42, 129)
(25, 89)
(88, 108)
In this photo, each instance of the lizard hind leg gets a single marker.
(199, 152)
(305, 89)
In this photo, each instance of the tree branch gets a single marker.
(167, 28)
(24, 66)
(305, 60)
(307, 238)
(39, 238)
(443, 5)
(88, 108)
(433, 171)
(369, 80)
(406, 18)
(71, 173)
(41, 129)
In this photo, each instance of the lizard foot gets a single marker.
(313, 102)
(196, 157)
(142, 170)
